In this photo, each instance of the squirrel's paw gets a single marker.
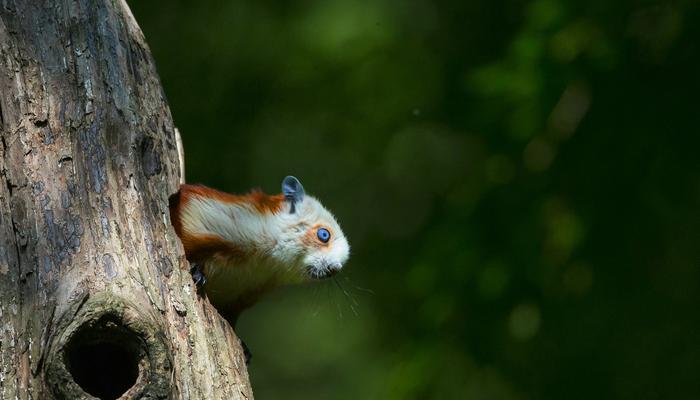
(246, 352)
(198, 275)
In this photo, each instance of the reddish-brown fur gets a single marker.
(201, 247)
(262, 202)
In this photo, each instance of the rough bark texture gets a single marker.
(95, 295)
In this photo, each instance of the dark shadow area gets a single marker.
(104, 358)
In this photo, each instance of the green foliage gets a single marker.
(519, 180)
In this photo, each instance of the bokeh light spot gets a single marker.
(524, 322)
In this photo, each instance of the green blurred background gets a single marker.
(519, 181)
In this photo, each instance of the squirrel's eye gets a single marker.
(323, 235)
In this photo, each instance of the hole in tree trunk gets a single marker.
(104, 358)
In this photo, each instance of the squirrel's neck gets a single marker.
(254, 231)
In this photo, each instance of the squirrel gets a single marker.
(242, 246)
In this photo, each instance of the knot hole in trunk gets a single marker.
(104, 358)
(109, 351)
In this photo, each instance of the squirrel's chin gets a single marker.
(320, 273)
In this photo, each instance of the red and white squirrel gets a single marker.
(246, 245)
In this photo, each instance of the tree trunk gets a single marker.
(95, 295)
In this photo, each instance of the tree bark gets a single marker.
(95, 295)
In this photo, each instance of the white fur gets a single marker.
(276, 254)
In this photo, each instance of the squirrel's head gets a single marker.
(311, 238)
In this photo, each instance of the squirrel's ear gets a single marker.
(293, 191)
